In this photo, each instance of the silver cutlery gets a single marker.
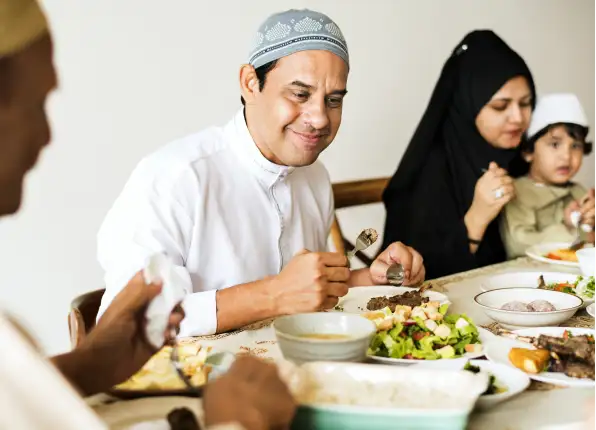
(395, 275)
(365, 239)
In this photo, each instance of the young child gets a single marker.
(548, 206)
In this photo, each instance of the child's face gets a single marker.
(556, 158)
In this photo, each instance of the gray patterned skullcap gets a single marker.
(294, 30)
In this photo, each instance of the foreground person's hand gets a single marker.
(252, 394)
(116, 348)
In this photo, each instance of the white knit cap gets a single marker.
(555, 109)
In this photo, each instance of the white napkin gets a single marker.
(161, 269)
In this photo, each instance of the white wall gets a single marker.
(135, 74)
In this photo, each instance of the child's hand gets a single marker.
(587, 208)
(569, 210)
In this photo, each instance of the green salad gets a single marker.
(582, 287)
(422, 333)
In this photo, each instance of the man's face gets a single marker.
(298, 112)
(26, 79)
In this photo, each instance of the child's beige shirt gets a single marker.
(536, 215)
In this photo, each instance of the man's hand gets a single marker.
(116, 348)
(251, 393)
(311, 281)
(408, 257)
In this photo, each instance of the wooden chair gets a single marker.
(355, 193)
(83, 312)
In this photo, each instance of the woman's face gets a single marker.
(505, 118)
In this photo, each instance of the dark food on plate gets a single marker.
(569, 354)
(535, 306)
(409, 298)
(183, 419)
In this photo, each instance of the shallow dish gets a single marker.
(513, 380)
(357, 298)
(424, 398)
(491, 302)
(539, 252)
(293, 335)
(591, 310)
(498, 352)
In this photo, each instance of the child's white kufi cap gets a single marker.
(555, 109)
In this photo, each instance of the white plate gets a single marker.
(498, 351)
(483, 334)
(513, 380)
(529, 280)
(524, 279)
(538, 252)
(357, 298)
(591, 310)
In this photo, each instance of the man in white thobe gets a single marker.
(245, 210)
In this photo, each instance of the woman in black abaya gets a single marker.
(455, 176)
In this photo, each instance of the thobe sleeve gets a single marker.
(150, 216)
(519, 229)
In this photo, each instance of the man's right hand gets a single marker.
(311, 281)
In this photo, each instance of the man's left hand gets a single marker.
(408, 257)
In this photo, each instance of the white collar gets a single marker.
(250, 155)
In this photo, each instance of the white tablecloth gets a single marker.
(546, 409)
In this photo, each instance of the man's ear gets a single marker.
(249, 83)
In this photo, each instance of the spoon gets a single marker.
(395, 274)
(365, 239)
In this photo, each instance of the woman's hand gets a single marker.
(493, 190)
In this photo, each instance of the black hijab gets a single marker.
(478, 67)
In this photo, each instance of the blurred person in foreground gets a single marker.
(33, 394)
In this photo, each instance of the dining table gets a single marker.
(542, 406)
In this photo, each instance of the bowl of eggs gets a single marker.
(528, 307)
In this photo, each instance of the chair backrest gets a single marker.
(355, 193)
(83, 312)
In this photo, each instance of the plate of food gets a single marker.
(411, 334)
(364, 299)
(159, 378)
(353, 396)
(554, 253)
(504, 381)
(557, 355)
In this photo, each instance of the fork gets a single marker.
(576, 219)
(177, 364)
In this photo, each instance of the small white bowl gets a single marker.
(291, 331)
(586, 258)
(491, 302)
(529, 280)
(513, 380)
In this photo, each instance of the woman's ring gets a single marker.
(499, 193)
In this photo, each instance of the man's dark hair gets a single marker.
(577, 132)
(261, 72)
